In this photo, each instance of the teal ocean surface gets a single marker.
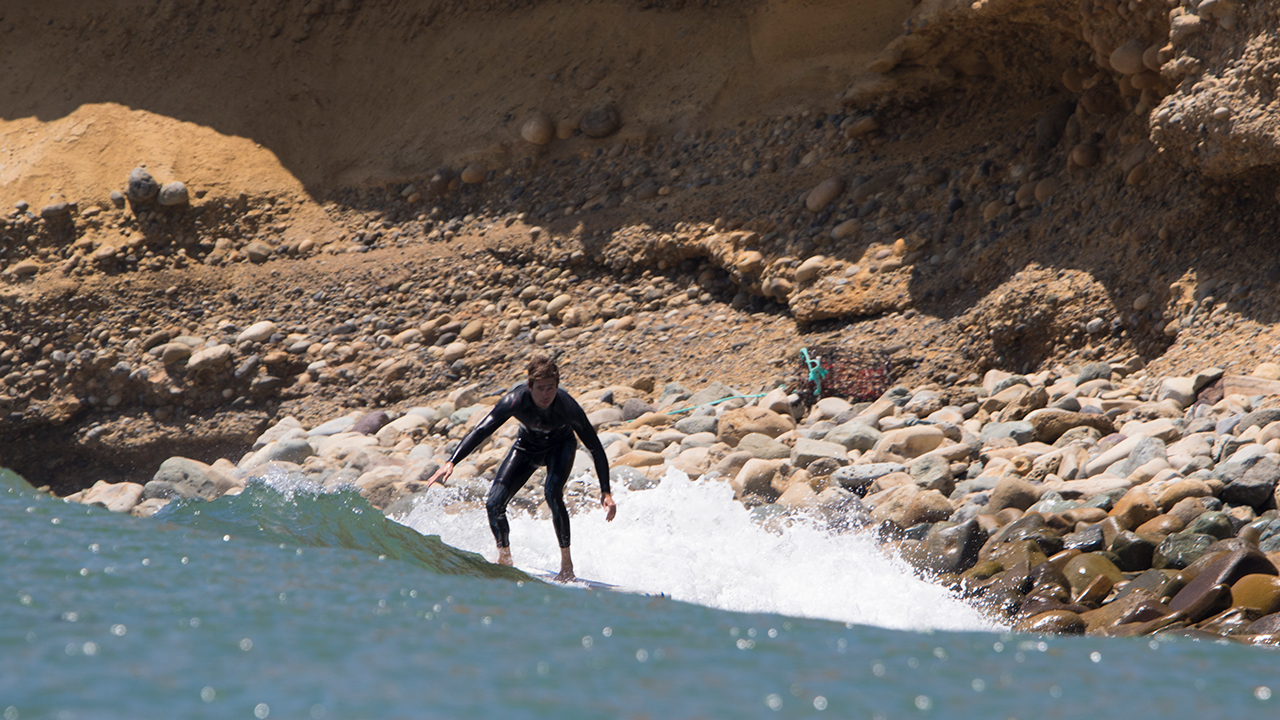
(286, 602)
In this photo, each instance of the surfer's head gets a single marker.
(544, 380)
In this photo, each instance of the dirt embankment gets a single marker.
(1006, 184)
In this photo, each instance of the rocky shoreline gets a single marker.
(1092, 499)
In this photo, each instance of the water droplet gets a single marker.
(607, 632)
(913, 663)
(84, 572)
(1095, 656)
(923, 702)
(773, 632)
(119, 630)
(93, 548)
(877, 669)
(978, 685)
(819, 703)
(773, 701)
(24, 599)
(642, 655)
(246, 644)
(71, 616)
(55, 521)
(588, 641)
(185, 560)
(1262, 692)
(261, 710)
(227, 538)
(998, 647)
(486, 620)
(146, 561)
(208, 694)
(1055, 691)
(90, 648)
(11, 713)
(544, 669)
(195, 622)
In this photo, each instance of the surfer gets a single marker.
(549, 418)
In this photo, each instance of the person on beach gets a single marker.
(549, 417)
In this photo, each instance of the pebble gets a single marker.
(59, 207)
(600, 122)
(142, 188)
(258, 332)
(1127, 58)
(174, 194)
(474, 174)
(538, 129)
(1084, 155)
(822, 195)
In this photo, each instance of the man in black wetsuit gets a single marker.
(549, 418)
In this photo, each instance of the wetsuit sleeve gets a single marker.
(582, 426)
(498, 415)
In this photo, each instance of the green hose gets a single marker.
(816, 371)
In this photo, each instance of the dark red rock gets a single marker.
(1226, 570)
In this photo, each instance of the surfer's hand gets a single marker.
(606, 501)
(441, 475)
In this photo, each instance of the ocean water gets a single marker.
(284, 602)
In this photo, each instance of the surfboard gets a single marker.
(550, 577)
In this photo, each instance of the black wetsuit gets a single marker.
(546, 438)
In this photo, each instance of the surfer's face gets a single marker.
(543, 391)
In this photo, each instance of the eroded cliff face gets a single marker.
(962, 185)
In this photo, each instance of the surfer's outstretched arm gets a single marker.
(498, 415)
(587, 434)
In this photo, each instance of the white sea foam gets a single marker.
(693, 542)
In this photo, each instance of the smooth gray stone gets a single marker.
(854, 435)
(634, 408)
(711, 393)
(763, 447)
(295, 450)
(933, 473)
(180, 477)
(632, 478)
(697, 424)
(1094, 371)
(1225, 426)
(1021, 431)
(1261, 418)
(853, 477)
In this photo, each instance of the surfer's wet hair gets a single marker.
(543, 367)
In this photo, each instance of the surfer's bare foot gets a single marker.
(566, 567)
(504, 556)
